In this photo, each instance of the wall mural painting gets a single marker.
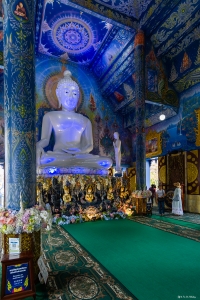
(157, 86)
(70, 33)
(152, 81)
(1, 117)
(91, 104)
(1, 11)
(1, 36)
(185, 61)
(125, 92)
(182, 132)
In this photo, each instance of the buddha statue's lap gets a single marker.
(73, 133)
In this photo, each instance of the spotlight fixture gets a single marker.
(162, 117)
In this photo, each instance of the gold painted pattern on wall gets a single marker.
(192, 172)
(162, 174)
(196, 192)
(197, 130)
(132, 179)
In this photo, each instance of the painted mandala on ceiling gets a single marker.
(71, 34)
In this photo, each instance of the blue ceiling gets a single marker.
(99, 35)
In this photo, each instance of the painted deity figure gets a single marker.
(117, 148)
(20, 10)
(73, 133)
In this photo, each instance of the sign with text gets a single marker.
(17, 281)
(17, 278)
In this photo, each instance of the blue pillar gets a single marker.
(140, 110)
(19, 103)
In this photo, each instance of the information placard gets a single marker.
(17, 276)
(14, 246)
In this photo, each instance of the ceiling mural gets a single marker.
(69, 34)
(133, 8)
(187, 11)
(107, 12)
(114, 49)
(98, 35)
(121, 59)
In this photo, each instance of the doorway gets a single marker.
(152, 172)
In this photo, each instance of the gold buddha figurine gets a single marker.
(110, 195)
(89, 194)
(66, 196)
(122, 193)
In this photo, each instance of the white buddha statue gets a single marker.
(117, 148)
(73, 133)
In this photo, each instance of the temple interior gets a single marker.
(100, 100)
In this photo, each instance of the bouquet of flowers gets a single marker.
(141, 194)
(30, 220)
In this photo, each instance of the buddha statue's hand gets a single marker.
(72, 150)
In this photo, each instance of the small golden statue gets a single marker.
(110, 195)
(67, 197)
(89, 194)
(122, 193)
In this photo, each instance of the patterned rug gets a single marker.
(187, 217)
(74, 273)
(169, 227)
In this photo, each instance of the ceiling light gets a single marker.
(162, 117)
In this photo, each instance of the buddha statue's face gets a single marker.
(89, 190)
(116, 135)
(68, 95)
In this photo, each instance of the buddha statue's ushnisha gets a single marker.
(73, 133)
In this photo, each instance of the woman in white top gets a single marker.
(177, 208)
(160, 197)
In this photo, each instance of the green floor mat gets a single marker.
(178, 222)
(151, 263)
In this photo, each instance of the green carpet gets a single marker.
(73, 273)
(178, 222)
(151, 263)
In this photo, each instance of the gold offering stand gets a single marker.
(140, 204)
(29, 242)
